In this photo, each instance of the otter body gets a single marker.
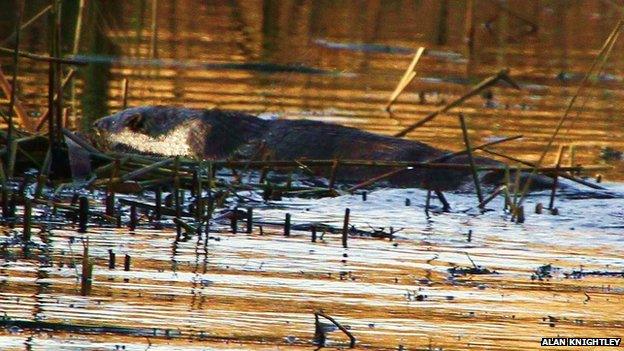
(217, 134)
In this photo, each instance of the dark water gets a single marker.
(339, 62)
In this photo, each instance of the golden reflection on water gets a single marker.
(264, 289)
(328, 36)
(255, 289)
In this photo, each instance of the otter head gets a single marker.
(155, 130)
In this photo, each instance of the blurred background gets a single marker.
(339, 61)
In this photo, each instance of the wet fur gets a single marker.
(217, 134)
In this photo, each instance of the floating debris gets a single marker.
(544, 272)
(578, 274)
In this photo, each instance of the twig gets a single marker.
(19, 110)
(76, 47)
(154, 36)
(26, 24)
(553, 191)
(473, 167)
(46, 114)
(530, 164)
(37, 57)
(144, 170)
(338, 325)
(484, 84)
(491, 197)
(78, 140)
(605, 50)
(124, 92)
(473, 262)
(18, 19)
(382, 164)
(407, 78)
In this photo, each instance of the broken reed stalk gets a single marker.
(560, 174)
(109, 201)
(148, 169)
(249, 220)
(492, 196)
(84, 144)
(427, 201)
(320, 313)
(127, 259)
(133, 217)
(516, 189)
(111, 259)
(445, 204)
(539, 208)
(484, 84)
(26, 24)
(345, 228)
(75, 49)
(19, 10)
(176, 186)
(287, 225)
(376, 179)
(14, 148)
(19, 110)
(78, 30)
(185, 172)
(46, 114)
(407, 78)
(168, 211)
(87, 271)
(83, 214)
(234, 222)
(37, 57)
(390, 164)
(42, 177)
(27, 221)
(154, 35)
(553, 191)
(196, 193)
(520, 214)
(473, 167)
(124, 93)
(51, 80)
(507, 181)
(158, 203)
(604, 51)
(12, 209)
(189, 229)
(592, 83)
(58, 86)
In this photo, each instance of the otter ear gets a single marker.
(135, 122)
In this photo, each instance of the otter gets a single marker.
(219, 134)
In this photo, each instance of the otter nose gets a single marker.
(99, 124)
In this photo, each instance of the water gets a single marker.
(339, 62)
